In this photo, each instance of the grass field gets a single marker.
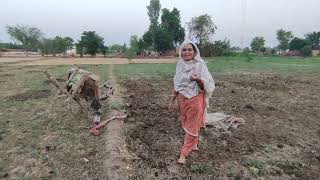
(223, 65)
(40, 139)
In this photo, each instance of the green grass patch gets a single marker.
(225, 65)
(148, 71)
(199, 168)
(256, 167)
(20, 78)
(222, 65)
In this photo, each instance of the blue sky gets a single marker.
(117, 20)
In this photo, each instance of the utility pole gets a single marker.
(243, 21)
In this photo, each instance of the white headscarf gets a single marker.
(185, 69)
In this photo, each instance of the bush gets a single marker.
(248, 54)
(218, 48)
(207, 50)
(249, 57)
(130, 53)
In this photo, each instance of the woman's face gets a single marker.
(187, 52)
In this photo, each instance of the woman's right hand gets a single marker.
(172, 106)
(194, 77)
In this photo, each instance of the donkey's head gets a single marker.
(90, 93)
(83, 85)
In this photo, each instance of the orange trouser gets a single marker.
(191, 114)
(190, 143)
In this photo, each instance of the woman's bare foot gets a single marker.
(195, 148)
(182, 159)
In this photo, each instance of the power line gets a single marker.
(243, 20)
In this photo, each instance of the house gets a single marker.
(294, 53)
(316, 51)
(71, 52)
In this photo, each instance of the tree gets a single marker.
(104, 50)
(147, 38)
(90, 43)
(171, 23)
(257, 44)
(80, 49)
(306, 50)
(163, 40)
(235, 49)
(57, 45)
(221, 48)
(246, 50)
(218, 48)
(298, 43)
(62, 44)
(116, 48)
(46, 46)
(124, 48)
(302, 45)
(284, 38)
(67, 43)
(153, 13)
(142, 45)
(313, 38)
(28, 36)
(136, 45)
(133, 40)
(202, 28)
(263, 50)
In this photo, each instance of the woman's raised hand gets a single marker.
(194, 77)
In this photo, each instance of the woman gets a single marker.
(193, 86)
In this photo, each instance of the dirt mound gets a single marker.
(31, 94)
(271, 144)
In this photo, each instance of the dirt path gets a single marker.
(19, 59)
(117, 162)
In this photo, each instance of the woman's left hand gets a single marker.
(194, 77)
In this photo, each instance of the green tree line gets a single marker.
(164, 33)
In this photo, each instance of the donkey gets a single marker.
(84, 84)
